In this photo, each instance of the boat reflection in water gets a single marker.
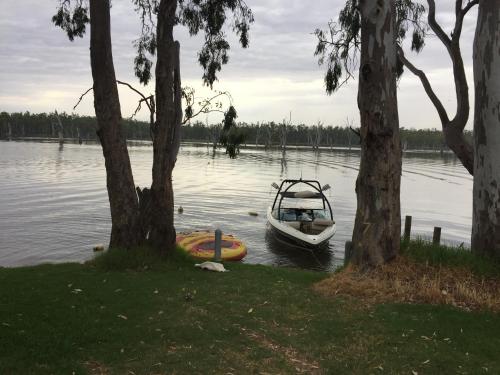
(290, 254)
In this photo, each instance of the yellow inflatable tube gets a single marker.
(201, 245)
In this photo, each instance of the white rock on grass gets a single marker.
(211, 266)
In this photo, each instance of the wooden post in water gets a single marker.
(436, 237)
(347, 253)
(406, 236)
(217, 245)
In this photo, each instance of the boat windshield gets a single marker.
(301, 214)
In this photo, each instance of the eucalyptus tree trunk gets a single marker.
(486, 202)
(119, 180)
(166, 132)
(377, 228)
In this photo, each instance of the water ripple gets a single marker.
(54, 207)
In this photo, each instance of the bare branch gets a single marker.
(469, 6)
(150, 102)
(81, 97)
(445, 39)
(138, 92)
(460, 15)
(205, 108)
(355, 131)
(443, 115)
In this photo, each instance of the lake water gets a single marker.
(54, 207)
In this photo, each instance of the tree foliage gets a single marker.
(232, 136)
(72, 17)
(207, 16)
(338, 47)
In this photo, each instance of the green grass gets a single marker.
(439, 255)
(70, 318)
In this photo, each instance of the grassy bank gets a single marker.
(170, 317)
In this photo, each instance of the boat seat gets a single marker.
(323, 222)
(294, 224)
(319, 225)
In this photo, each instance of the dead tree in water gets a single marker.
(329, 138)
(348, 124)
(214, 134)
(314, 135)
(60, 130)
(283, 129)
(257, 134)
(78, 135)
(269, 135)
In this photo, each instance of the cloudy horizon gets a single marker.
(41, 70)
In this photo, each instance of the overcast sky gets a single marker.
(40, 70)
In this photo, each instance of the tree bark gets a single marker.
(166, 131)
(377, 227)
(119, 180)
(486, 202)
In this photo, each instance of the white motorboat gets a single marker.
(302, 216)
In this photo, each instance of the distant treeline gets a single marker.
(270, 134)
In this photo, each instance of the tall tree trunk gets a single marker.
(486, 202)
(119, 180)
(166, 131)
(377, 228)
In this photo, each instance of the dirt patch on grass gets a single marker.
(96, 368)
(404, 280)
(292, 357)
